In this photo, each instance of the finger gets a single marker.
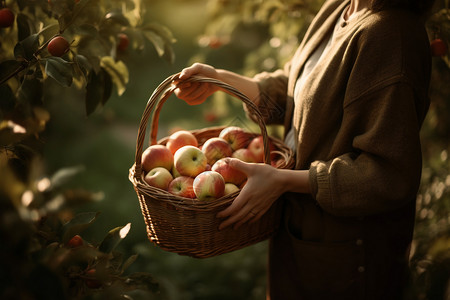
(237, 205)
(243, 214)
(249, 217)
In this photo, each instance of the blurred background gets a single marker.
(67, 148)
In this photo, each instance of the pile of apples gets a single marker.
(184, 168)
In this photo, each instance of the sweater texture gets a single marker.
(357, 126)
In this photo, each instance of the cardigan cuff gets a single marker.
(320, 184)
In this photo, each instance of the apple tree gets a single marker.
(81, 45)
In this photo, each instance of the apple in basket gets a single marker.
(190, 161)
(209, 185)
(159, 177)
(157, 156)
(179, 139)
(216, 148)
(230, 188)
(244, 154)
(235, 136)
(182, 186)
(229, 174)
(256, 146)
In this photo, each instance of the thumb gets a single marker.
(239, 165)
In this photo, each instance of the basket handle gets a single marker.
(165, 90)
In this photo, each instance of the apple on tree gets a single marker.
(216, 148)
(209, 185)
(190, 161)
(159, 177)
(6, 17)
(58, 46)
(182, 186)
(157, 156)
(229, 174)
(179, 139)
(235, 136)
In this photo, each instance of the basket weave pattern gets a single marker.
(189, 226)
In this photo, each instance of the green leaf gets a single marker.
(118, 72)
(60, 70)
(8, 67)
(107, 87)
(157, 41)
(26, 48)
(64, 175)
(78, 224)
(129, 262)
(117, 17)
(113, 238)
(94, 92)
(23, 26)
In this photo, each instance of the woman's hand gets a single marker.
(194, 93)
(265, 184)
(256, 197)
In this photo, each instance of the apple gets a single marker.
(157, 156)
(209, 185)
(230, 188)
(75, 241)
(175, 172)
(244, 154)
(6, 18)
(229, 174)
(181, 138)
(58, 46)
(159, 177)
(123, 42)
(438, 47)
(190, 161)
(235, 136)
(256, 146)
(216, 148)
(182, 186)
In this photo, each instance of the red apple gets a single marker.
(244, 154)
(58, 46)
(230, 188)
(438, 47)
(6, 18)
(209, 185)
(179, 139)
(157, 156)
(159, 177)
(229, 174)
(256, 146)
(235, 136)
(123, 42)
(216, 148)
(190, 161)
(75, 241)
(182, 186)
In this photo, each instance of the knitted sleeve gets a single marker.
(383, 171)
(272, 97)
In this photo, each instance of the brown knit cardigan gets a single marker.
(357, 124)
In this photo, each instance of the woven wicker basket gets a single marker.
(188, 226)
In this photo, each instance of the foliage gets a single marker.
(38, 224)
